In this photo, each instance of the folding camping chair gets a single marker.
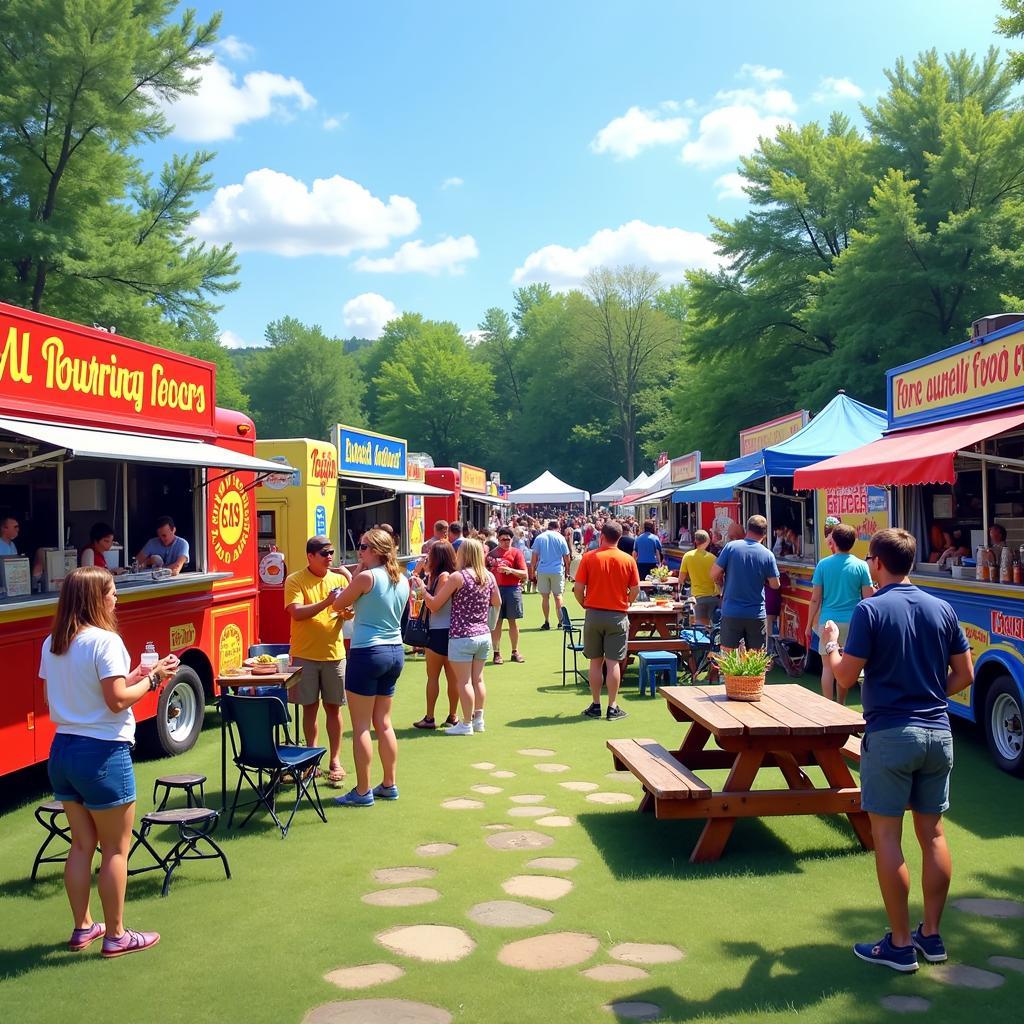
(572, 640)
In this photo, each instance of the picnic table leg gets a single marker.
(838, 775)
(717, 830)
(794, 775)
(694, 742)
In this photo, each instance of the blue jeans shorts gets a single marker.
(374, 671)
(907, 766)
(469, 648)
(97, 773)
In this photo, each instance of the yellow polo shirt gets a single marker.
(318, 638)
(697, 565)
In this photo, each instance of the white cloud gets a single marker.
(729, 132)
(669, 251)
(624, 137)
(453, 182)
(220, 105)
(772, 101)
(730, 186)
(449, 254)
(272, 212)
(760, 73)
(831, 89)
(333, 123)
(366, 315)
(473, 338)
(235, 48)
(231, 340)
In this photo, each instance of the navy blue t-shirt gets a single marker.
(747, 564)
(906, 638)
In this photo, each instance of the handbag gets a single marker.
(416, 631)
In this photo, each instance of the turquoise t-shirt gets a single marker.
(841, 578)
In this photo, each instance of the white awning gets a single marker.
(413, 487)
(487, 499)
(643, 499)
(86, 443)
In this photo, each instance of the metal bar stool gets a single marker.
(195, 825)
(47, 815)
(189, 783)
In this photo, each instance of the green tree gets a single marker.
(497, 347)
(374, 356)
(1011, 25)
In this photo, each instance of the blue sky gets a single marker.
(428, 157)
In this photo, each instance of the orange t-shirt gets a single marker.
(607, 573)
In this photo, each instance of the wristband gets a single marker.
(154, 681)
(831, 647)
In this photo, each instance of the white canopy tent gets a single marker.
(613, 491)
(547, 489)
(634, 488)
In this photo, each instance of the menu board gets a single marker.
(17, 576)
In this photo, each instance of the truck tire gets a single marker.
(1004, 725)
(179, 716)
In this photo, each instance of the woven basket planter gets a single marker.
(747, 688)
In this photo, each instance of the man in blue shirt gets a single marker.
(550, 564)
(9, 528)
(166, 549)
(746, 566)
(647, 549)
(914, 656)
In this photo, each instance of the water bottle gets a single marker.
(149, 657)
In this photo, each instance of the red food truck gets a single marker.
(98, 429)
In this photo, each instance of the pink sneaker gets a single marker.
(81, 938)
(130, 942)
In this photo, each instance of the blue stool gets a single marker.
(651, 664)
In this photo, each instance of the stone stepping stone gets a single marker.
(556, 821)
(530, 811)
(905, 1004)
(990, 908)
(580, 787)
(411, 896)
(436, 849)
(484, 766)
(634, 1010)
(503, 775)
(622, 776)
(517, 840)
(487, 790)
(509, 914)
(528, 798)
(536, 752)
(1007, 963)
(646, 953)
(364, 976)
(537, 887)
(461, 803)
(614, 972)
(965, 976)
(611, 798)
(548, 952)
(554, 863)
(497, 827)
(402, 876)
(377, 1011)
(552, 769)
(435, 943)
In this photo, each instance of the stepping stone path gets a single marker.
(580, 787)
(536, 752)
(905, 1004)
(484, 766)
(487, 790)
(537, 887)
(548, 952)
(509, 914)
(556, 821)
(991, 908)
(377, 1011)
(435, 943)
(436, 849)
(528, 798)
(461, 803)
(1007, 963)
(554, 863)
(552, 769)
(965, 976)
(646, 953)
(364, 976)
(402, 876)
(411, 896)
(529, 811)
(614, 972)
(611, 798)
(634, 1010)
(519, 841)
(497, 827)
(504, 775)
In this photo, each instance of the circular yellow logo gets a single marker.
(230, 647)
(230, 520)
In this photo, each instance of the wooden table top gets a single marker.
(785, 709)
(246, 678)
(670, 582)
(649, 608)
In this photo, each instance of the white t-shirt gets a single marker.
(73, 688)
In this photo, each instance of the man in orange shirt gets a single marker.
(607, 583)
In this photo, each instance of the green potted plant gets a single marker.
(744, 672)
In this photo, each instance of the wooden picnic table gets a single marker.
(788, 729)
(654, 619)
(672, 581)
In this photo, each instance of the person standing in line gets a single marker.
(90, 688)
(745, 566)
(440, 565)
(696, 565)
(839, 583)
(607, 583)
(550, 563)
(647, 549)
(508, 567)
(627, 542)
(378, 595)
(455, 535)
(914, 656)
(472, 592)
(318, 647)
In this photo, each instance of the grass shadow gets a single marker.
(14, 962)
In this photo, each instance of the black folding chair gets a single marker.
(572, 640)
(704, 641)
(263, 763)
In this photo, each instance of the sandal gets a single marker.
(425, 723)
(336, 776)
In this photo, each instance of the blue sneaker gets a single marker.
(383, 792)
(353, 798)
(899, 958)
(931, 947)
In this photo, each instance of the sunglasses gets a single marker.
(870, 558)
(325, 553)
(364, 547)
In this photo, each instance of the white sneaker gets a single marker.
(478, 724)
(462, 729)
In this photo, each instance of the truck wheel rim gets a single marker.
(182, 708)
(1007, 728)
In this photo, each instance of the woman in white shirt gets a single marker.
(90, 689)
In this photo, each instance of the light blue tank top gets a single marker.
(378, 618)
(443, 618)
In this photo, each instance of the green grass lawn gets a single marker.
(766, 931)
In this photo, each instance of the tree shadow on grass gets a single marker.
(569, 718)
(38, 956)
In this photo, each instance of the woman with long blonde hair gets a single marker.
(378, 595)
(472, 592)
(90, 690)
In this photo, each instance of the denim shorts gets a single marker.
(906, 766)
(374, 671)
(469, 648)
(97, 773)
